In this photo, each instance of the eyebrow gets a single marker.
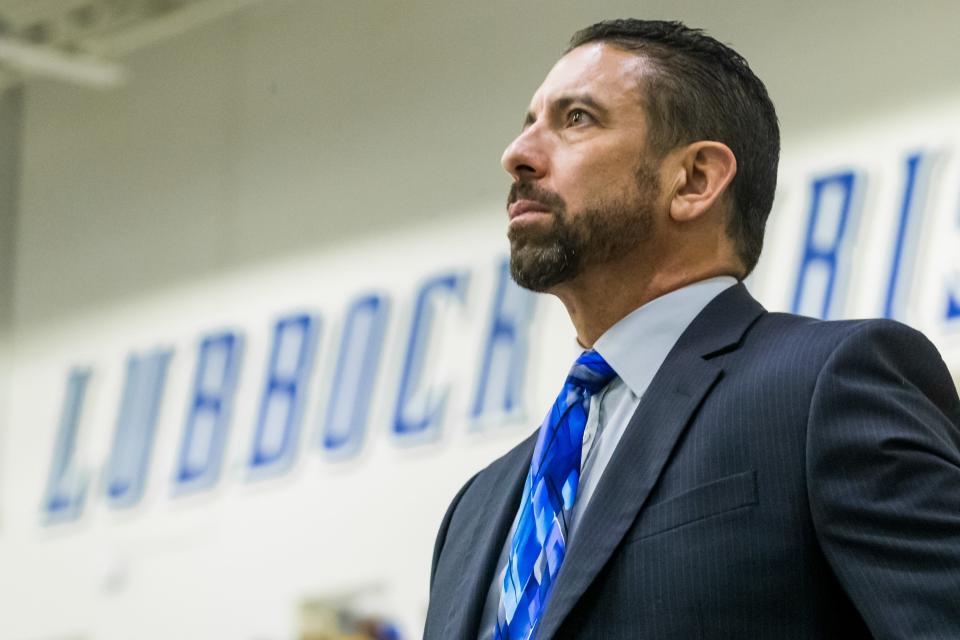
(564, 102)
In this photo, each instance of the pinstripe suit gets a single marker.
(782, 478)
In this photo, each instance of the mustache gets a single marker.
(529, 191)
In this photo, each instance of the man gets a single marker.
(710, 470)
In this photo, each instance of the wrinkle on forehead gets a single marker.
(595, 68)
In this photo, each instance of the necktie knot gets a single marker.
(591, 372)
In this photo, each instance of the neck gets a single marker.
(599, 298)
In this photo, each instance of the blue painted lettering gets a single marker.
(67, 485)
(420, 405)
(126, 470)
(351, 391)
(901, 268)
(832, 206)
(500, 385)
(278, 421)
(208, 414)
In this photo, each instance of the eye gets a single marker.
(577, 117)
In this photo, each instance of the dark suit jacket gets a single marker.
(782, 478)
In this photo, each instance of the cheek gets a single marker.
(608, 183)
(585, 180)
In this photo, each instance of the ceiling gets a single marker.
(84, 41)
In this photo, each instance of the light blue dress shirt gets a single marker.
(635, 347)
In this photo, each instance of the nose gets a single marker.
(525, 157)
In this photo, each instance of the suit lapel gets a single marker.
(681, 384)
(494, 517)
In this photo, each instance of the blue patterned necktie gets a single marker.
(540, 540)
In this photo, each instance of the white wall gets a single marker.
(296, 125)
(10, 130)
(297, 153)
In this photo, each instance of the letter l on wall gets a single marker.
(67, 485)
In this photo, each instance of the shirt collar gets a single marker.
(638, 344)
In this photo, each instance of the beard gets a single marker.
(543, 258)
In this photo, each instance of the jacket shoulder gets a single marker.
(822, 337)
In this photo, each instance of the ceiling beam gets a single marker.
(40, 61)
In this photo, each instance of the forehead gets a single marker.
(606, 73)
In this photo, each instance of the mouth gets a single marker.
(527, 208)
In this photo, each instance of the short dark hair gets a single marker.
(701, 89)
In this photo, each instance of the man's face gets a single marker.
(585, 186)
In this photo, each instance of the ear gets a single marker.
(703, 172)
